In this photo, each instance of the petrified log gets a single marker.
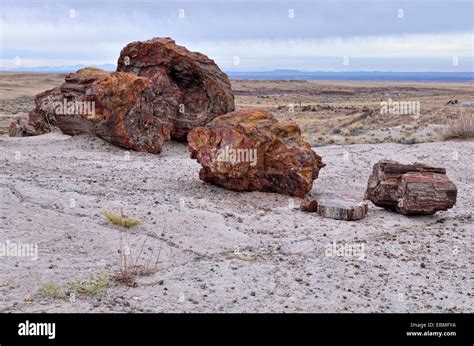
(190, 89)
(336, 207)
(425, 193)
(114, 106)
(249, 150)
(411, 189)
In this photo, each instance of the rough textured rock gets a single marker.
(336, 207)
(425, 193)
(114, 106)
(22, 128)
(249, 150)
(309, 204)
(40, 120)
(411, 189)
(190, 89)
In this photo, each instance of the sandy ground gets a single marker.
(221, 250)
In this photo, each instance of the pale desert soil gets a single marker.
(54, 190)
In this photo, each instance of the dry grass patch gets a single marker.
(51, 290)
(461, 126)
(93, 286)
(121, 220)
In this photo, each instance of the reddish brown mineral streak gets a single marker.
(123, 112)
(285, 162)
(416, 189)
(190, 89)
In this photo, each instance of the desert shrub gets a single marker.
(461, 126)
(50, 290)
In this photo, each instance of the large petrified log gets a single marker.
(114, 106)
(249, 150)
(190, 89)
(410, 189)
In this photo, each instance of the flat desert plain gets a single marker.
(202, 248)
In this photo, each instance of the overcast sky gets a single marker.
(318, 35)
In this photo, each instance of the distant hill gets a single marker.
(284, 74)
(355, 76)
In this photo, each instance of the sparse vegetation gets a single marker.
(93, 286)
(410, 141)
(121, 220)
(356, 130)
(132, 266)
(405, 140)
(51, 290)
(461, 126)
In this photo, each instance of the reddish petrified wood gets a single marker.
(190, 89)
(411, 189)
(249, 150)
(309, 204)
(114, 106)
(425, 193)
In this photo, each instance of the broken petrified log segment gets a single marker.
(336, 207)
(41, 119)
(425, 193)
(22, 128)
(309, 204)
(113, 106)
(190, 89)
(411, 189)
(249, 150)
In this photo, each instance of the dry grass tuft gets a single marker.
(121, 220)
(461, 126)
(133, 266)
